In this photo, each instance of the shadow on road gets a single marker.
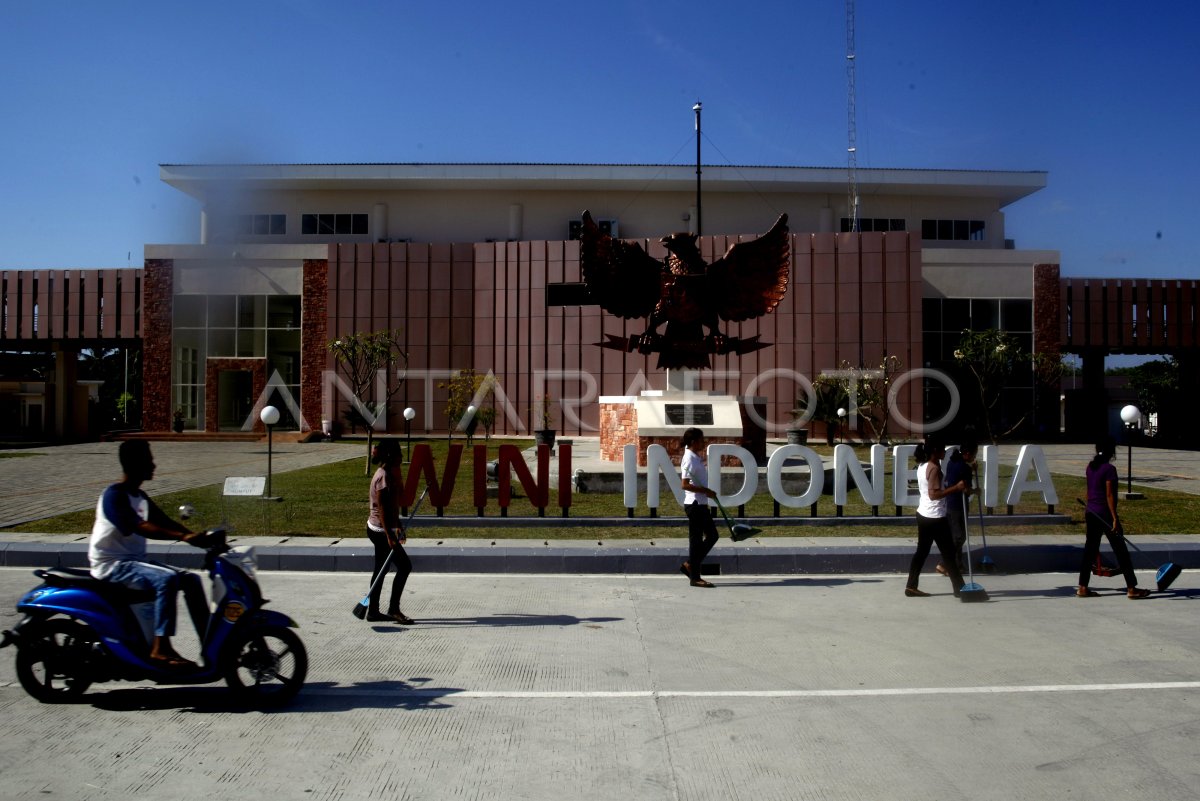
(321, 696)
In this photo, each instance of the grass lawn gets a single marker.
(331, 501)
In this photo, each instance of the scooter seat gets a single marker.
(76, 577)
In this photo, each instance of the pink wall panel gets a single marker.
(91, 305)
(128, 303)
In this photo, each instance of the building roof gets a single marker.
(200, 180)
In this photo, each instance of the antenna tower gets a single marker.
(851, 124)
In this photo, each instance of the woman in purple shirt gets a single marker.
(1101, 518)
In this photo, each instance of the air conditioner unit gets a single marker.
(606, 225)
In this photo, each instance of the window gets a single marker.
(333, 224)
(261, 224)
(953, 230)
(879, 224)
(232, 326)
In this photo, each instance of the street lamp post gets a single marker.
(409, 414)
(841, 413)
(1130, 416)
(469, 424)
(270, 416)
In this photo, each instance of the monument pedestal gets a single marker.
(659, 417)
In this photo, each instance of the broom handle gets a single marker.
(392, 552)
(1120, 533)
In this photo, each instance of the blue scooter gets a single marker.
(78, 631)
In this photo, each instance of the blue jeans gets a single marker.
(166, 582)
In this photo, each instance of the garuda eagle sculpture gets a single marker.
(685, 293)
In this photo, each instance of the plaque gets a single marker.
(689, 414)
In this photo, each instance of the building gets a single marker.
(458, 257)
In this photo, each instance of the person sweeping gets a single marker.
(702, 531)
(1101, 520)
(932, 526)
(387, 534)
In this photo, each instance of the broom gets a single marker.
(970, 591)
(737, 531)
(1167, 571)
(360, 609)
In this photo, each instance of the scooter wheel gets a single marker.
(266, 665)
(52, 663)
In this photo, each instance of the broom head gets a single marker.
(972, 592)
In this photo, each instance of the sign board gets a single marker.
(249, 486)
(689, 414)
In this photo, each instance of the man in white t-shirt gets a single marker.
(125, 518)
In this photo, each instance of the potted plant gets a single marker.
(177, 422)
(544, 411)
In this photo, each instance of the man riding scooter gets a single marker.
(125, 519)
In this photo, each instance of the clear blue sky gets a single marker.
(1102, 96)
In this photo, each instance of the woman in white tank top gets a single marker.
(932, 525)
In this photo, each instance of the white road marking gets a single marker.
(846, 693)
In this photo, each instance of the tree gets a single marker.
(865, 392)
(469, 388)
(994, 358)
(1157, 384)
(369, 359)
(828, 396)
(118, 369)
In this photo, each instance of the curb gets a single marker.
(776, 556)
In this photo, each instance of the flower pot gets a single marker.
(544, 436)
(797, 436)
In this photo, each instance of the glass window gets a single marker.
(929, 229)
(325, 224)
(189, 311)
(956, 314)
(1016, 315)
(359, 224)
(931, 314)
(961, 229)
(897, 224)
(308, 224)
(251, 343)
(222, 311)
(283, 311)
(221, 343)
(251, 311)
(985, 314)
(977, 231)
(945, 229)
(278, 224)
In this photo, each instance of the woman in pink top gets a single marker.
(387, 534)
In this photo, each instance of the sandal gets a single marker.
(1084, 592)
(172, 662)
(1137, 592)
(702, 583)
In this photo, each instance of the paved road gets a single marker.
(639, 687)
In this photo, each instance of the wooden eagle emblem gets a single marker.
(682, 293)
